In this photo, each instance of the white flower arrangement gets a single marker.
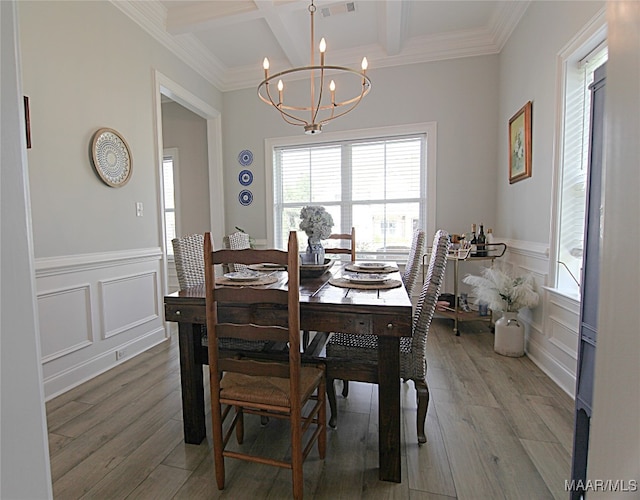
(502, 291)
(316, 222)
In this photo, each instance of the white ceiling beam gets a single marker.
(290, 47)
(205, 15)
(393, 17)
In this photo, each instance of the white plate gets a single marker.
(246, 275)
(366, 278)
(371, 265)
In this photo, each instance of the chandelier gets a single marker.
(321, 108)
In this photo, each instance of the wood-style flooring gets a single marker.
(497, 427)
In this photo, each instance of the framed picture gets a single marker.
(27, 121)
(520, 144)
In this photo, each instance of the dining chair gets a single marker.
(280, 389)
(412, 268)
(236, 241)
(409, 277)
(188, 253)
(343, 250)
(338, 249)
(189, 260)
(363, 349)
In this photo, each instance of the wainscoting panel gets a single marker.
(96, 311)
(67, 310)
(128, 302)
(552, 327)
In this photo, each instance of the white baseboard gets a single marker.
(75, 375)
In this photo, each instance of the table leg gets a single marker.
(389, 408)
(193, 414)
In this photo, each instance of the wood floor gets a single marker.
(497, 427)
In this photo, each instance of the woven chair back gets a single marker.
(188, 255)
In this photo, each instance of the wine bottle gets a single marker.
(474, 241)
(481, 243)
(490, 241)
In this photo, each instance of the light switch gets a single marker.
(139, 209)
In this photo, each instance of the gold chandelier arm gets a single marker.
(315, 113)
(355, 101)
(280, 107)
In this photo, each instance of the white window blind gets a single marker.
(575, 167)
(374, 185)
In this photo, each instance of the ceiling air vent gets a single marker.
(338, 8)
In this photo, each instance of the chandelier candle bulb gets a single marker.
(280, 89)
(323, 47)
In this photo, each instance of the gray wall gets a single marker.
(460, 95)
(528, 73)
(86, 65)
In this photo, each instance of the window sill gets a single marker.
(572, 296)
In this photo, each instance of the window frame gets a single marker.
(429, 129)
(173, 154)
(587, 40)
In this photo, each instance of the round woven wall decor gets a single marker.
(111, 158)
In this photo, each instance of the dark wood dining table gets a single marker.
(324, 307)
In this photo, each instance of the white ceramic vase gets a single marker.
(509, 335)
(314, 254)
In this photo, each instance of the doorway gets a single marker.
(170, 92)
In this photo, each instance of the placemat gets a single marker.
(356, 269)
(344, 283)
(264, 280)
(268, 269)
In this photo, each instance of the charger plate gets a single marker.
(345, 283)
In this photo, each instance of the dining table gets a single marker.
(328, 303)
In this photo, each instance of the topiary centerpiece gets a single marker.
(317, 223)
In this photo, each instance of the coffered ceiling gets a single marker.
(226, 40)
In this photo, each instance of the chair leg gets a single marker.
(345, 388)
(296, 456)
(422, 393)
(240, 426)
(322, 420)
(218, 458)
(305, 339)
(333, 406)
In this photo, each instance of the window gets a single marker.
(377, 185)
(571, 201)
(169, 170)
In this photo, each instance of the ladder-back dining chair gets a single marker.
(339, 249)
(363, 349)
(279, 389)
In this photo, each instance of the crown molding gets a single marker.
(152, 17)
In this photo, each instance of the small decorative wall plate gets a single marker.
(245, 177)
(245, 197)
(111, 157)
(245, 158)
